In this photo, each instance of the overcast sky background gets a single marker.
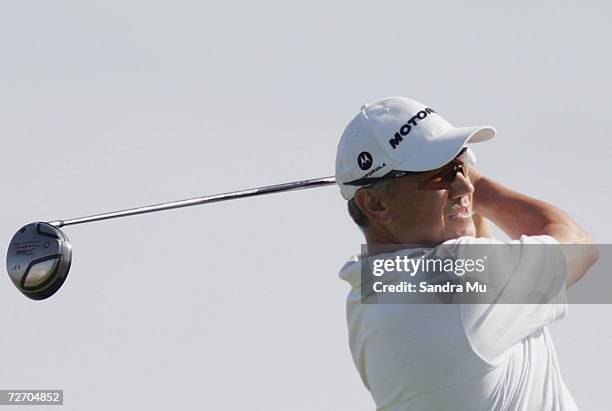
(106, 105)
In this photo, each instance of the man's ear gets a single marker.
(373, 205)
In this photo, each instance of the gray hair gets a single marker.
(359, 217)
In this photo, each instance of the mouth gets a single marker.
(460, 213)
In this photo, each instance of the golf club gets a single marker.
(39, 254)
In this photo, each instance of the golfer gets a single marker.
(409, 180)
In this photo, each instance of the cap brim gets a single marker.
(441, 149)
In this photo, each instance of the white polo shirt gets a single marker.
(463, 356)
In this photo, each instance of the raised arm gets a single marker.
(518, 214)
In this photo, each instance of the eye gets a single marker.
(450, 172)
(440, 181)
(463, 169)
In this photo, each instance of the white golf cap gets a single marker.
(398, 134)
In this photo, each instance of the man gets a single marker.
(409, 180)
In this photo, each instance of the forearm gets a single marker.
(517, 214)
(482, 226)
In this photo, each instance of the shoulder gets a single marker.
(524, 239)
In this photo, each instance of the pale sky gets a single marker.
(106, 105)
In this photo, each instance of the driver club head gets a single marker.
(38, 260)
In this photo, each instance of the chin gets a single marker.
(462, 229)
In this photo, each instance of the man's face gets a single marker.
(433, 206)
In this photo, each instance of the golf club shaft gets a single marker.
(296, 185)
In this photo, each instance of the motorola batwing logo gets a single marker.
(364, 160)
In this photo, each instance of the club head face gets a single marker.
(38, 260)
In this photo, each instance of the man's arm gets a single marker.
(518, 214)
(482, 226)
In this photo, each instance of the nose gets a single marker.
(461, 186)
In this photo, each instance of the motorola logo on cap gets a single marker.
(364, 160)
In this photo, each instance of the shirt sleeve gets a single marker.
(527, 277)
